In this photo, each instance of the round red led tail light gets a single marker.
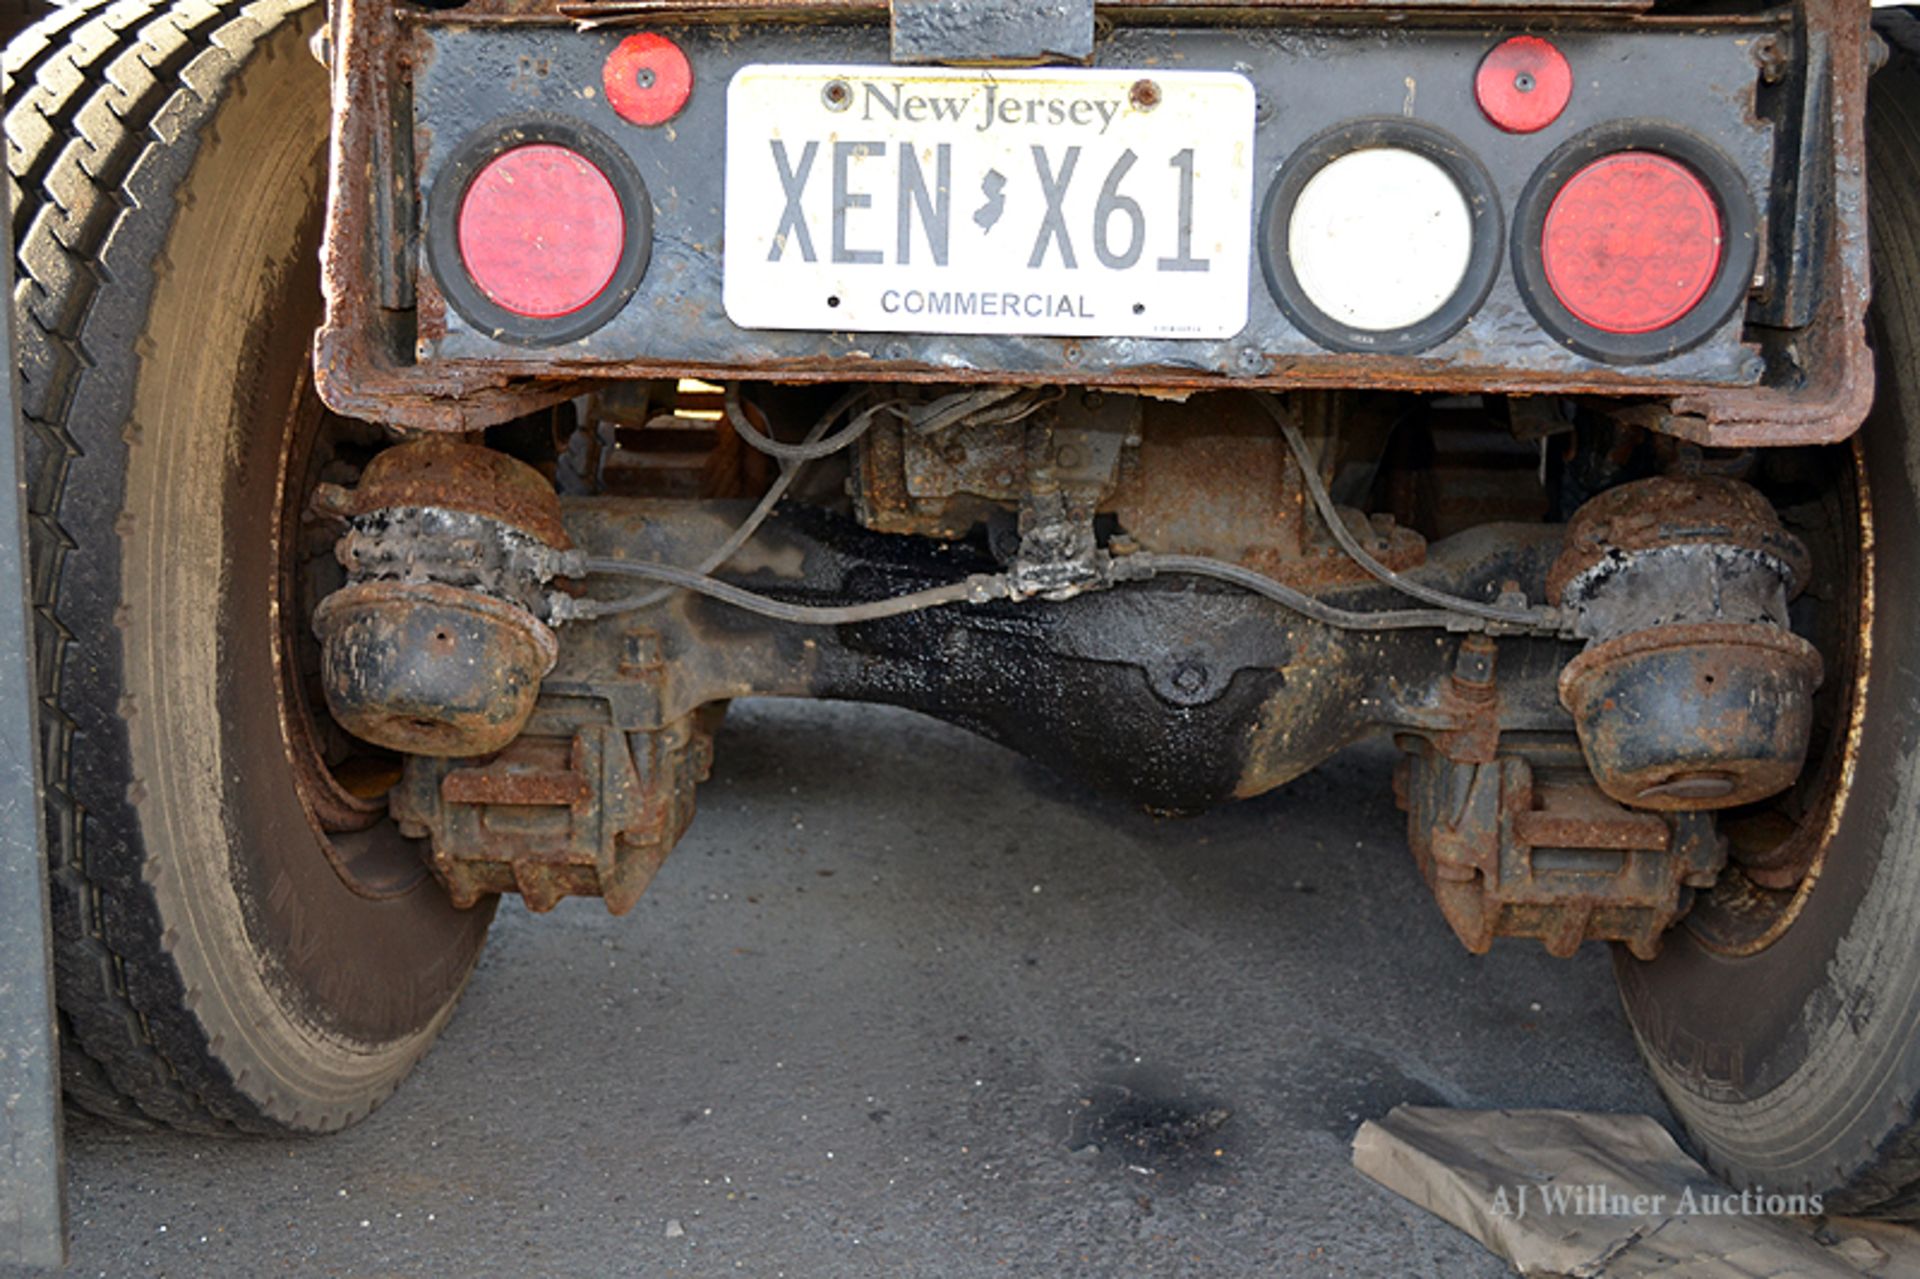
(1632, 242)
(541, 231)
(1523, 84)
(1635, 241)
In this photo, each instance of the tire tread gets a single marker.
(105, 101)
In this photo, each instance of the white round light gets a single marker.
(1380, 239)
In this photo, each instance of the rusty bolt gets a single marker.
(640, 652)
(332, 500)
(1145, 95)
(1771, 55)
(1190, 677)
(1474, 666)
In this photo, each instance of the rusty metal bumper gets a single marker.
(1793, 369)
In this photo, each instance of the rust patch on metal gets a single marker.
(1692, 693)
(422, 668)
(1470, 697)
(1668, 511)
(354, 373)
(434, 647)
(455, 476)
(1526, 847)
(336, 808)
(1839, 388)
(1217, 482)
(591, 815)
(1563, 816)
(520, 779)
(1779, 868)
(1222, 483)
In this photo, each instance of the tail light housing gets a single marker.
(1381, 235)
(1633, 243)
(539, 231)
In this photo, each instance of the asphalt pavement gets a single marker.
(904, 1004)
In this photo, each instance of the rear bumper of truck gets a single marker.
(1780, 92)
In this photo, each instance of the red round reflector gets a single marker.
(647, 78)
(1632, 242)
(541, 230)
(1523, 84)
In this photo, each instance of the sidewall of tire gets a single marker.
(292, 999)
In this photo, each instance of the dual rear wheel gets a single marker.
(242, 946)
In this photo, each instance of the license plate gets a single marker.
(1058, 203)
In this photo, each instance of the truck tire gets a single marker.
(243, 942)
(1794, 1062)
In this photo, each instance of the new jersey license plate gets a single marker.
(1061, 203)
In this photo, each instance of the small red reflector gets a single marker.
(1632, 242)
(647, 78)
(541, 230)
(1523, 84)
